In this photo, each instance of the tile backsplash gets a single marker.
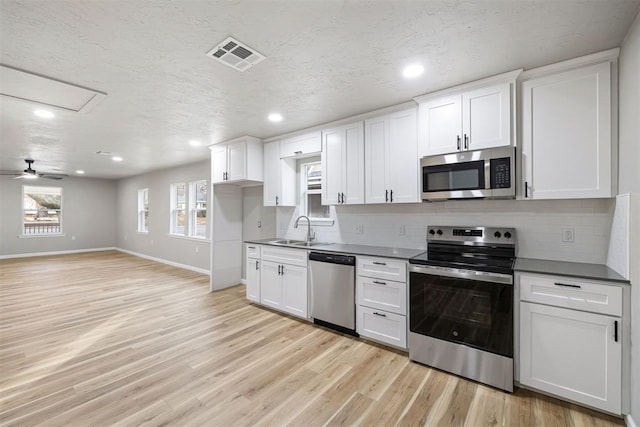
(539, 224)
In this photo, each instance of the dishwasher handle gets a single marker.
(332, 258)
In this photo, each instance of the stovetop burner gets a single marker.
(471, 248)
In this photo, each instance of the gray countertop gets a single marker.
(379, 251)
(570, 269)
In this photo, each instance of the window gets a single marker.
(178, 199)
(198, 209)
(41, 210)
(143, 210)
(311, 193)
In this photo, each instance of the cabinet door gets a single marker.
(301, 145)
(571, 354)
(270, 285)
(376, 136)
(218, 163)
(403, 165)
(353, 160)
(566, 134)
(253, 279)
(237, 161)
(385, 295)
(382, 326)
(486, 117)
(441, 124)
(294, 290)
(332, 165)
(271, 187)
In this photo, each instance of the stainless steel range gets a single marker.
(461, 303)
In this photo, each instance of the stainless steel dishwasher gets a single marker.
(333, 291)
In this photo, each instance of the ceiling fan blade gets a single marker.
(9, 173)
(56, 176)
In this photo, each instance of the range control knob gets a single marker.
(439, 232)
(497, 235)
(432, 232)
(507, 235)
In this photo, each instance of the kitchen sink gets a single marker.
(301, 243)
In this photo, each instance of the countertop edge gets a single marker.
(569, 269)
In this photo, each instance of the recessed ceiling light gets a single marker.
(44, 114)
(275, 117)
(194, 143)
(116, 158)
(80, 172)
(413, 70)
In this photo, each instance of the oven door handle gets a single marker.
(455, 273)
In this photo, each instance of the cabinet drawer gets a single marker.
(579, 294)
(382, 294)
(301, 145)
(383, 268)
(284, 255)
(382, 326)
(253, 250)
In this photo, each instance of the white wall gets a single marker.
(158, 243)
(629, 182)
(88, 217)
(258, 221)
(539, 224)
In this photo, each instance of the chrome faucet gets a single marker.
(310, 236)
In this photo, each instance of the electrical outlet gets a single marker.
(360, 229)
(401, 231)
(568, 235)
(197, 249)
(73, 237)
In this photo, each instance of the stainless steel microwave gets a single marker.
(488, 174)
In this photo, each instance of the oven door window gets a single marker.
(469, 312)
(452, 177)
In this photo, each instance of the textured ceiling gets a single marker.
(325, 60)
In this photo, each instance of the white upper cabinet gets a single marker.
(568, 129)
(238, 161)
(343, 165)
(279, 177)
(391, 158)
(473, 116)
(300, 146)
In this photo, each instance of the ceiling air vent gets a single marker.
(236, 55)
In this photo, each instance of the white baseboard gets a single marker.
(243, 281)
(164, 261)
(629, 421)
(74, 251)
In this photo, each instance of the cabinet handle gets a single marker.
(279, 269)
(566, 285)
(251, 247)
(466, 142)
(391, 196)
(379, 314)
(297, 152)
(526, 190)
(276, 200)
(379, 263)
(458, 139)
(282, 270)
(615, 330)
(342, 198)
(377, 282)
(257, 264)
(386, 195)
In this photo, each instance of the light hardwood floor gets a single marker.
(106, 338)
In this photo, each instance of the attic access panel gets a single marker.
(20, 84)
(235, 54)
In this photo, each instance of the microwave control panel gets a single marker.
(500, 173)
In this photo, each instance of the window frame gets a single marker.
(303, 166)
(174, 210)
(193, 209)
(142, 209)
(60, 231)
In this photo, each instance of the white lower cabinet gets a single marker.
(571, 353)
(283, 280)
(253, 272)
(381, 300)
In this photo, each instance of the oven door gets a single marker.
(466, 307)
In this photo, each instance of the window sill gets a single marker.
(197, 239)
(142, 232)
(35, 236)
(322, 222)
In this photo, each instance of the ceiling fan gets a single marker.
(30, 173)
